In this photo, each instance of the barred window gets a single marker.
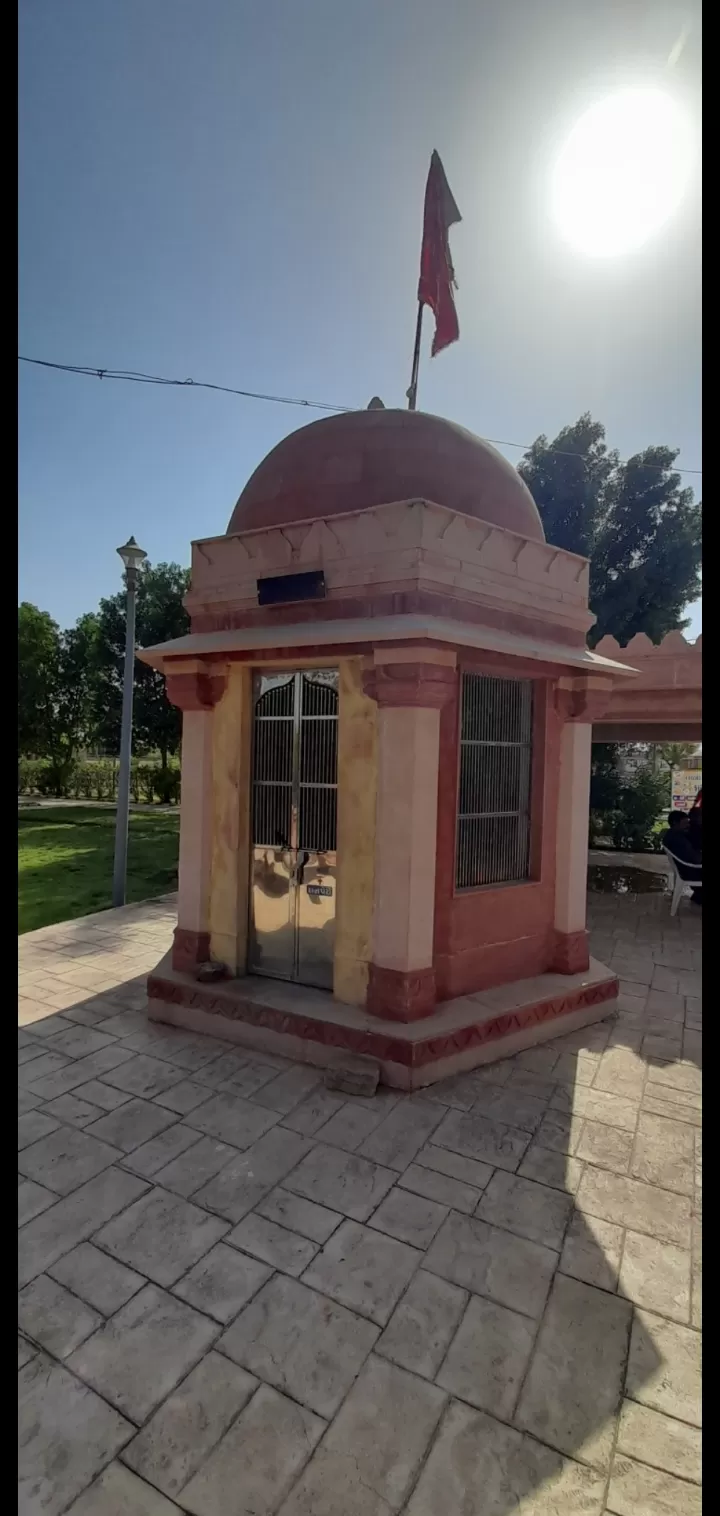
(493, 823)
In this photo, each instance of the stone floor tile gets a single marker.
(466, 1170)
(41, 1067)
(421, 1327)
(664, 1367)
(682, 1077)
(409, 1217)
(449, 1193)
(32, 1125)
(273, 1244)
(664, 1154)
(636, 1490)
(607, 1147)
(403, 1132)
(658, 1440)
(52, 1317)
(182, 1433)
(314, 1111)
(559, 1132)
(222, 1282)
(508, 1269)
(341, 1181)
(592, 1251)
(488, 1357)
(195, 1167)
(160, 1150)
(161, 1236)
(141, 1353)
(349, 1126)
(66, 1436)
(575, 1380)
(26, 1351)
(97, 1279)
(73, 1111)
(558, 1170)
(476, 1137)
(656, 1275)
(32, 1199)
(47, 1237)
(28, 1051)
(298, 1215)
(370, 1455)
(232, 1119)
(529, 1209)
(658, 1106)
(620, 1072)
(143, 1077)
(301, 1343)
(630, 1202)
(96, 1066)
(512, 1107)
(364, 1270)
(26, 1102)
(132, 1124)
(66, 1159)
(79, 1041)
(102, 1095)
(257, 1461)
(249, 1176)
(119, 1492)
(480, 1466)
(663, 1004)
(183, 1097)
(248, 1079)
(598, 1105)
(287, 1089)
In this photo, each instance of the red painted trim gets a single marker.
(391, 603)
(376, 1044)
(395, 996)
(189, 949)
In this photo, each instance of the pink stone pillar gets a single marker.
(195, 693)
(578, 702)
(410, 694)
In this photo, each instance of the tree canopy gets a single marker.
(70, 683)
(633, 519)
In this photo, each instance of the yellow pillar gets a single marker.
(230, 869)
(357, 794)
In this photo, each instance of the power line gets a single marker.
(132, 376)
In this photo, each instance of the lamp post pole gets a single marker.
(132, 556)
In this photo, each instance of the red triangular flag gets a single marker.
(437, 276)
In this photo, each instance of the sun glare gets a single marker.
(622, 172)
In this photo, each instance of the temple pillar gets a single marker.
(578, 702)
(195, 692)
(410, 691)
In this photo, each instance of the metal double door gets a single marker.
(294, 826)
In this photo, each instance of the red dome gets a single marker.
(365, 458)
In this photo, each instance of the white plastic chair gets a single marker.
(680, 885)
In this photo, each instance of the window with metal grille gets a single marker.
(493, 823)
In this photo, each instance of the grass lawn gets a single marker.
(65, 861)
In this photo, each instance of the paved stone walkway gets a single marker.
(243, 1295)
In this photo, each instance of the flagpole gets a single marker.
(412, 392)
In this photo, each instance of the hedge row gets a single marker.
(97, 778)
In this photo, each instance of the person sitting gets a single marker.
(688, 858)
(695, 823)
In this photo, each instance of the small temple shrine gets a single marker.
(387, 702)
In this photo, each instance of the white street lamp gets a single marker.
(132, 557)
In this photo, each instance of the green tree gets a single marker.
(157, 724)
(55, 688)
(675, 754)
(639, 527)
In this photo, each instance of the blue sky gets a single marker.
(232, 190)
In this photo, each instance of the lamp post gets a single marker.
(132, 557)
